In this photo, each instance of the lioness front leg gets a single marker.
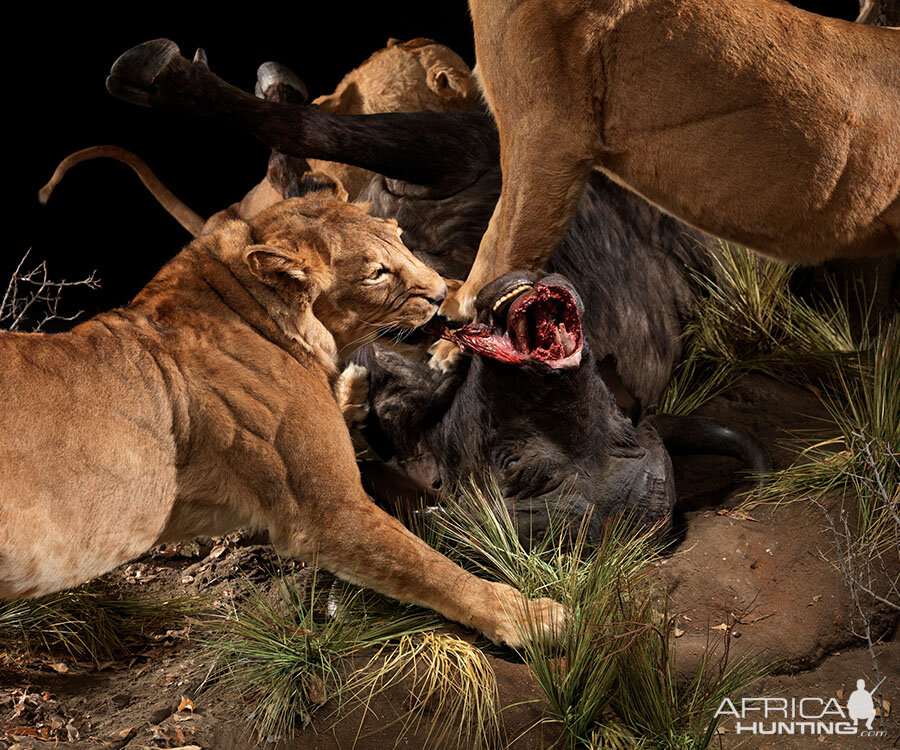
(360, 543)
(538, 199)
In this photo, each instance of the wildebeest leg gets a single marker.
(442, 150)
(277, 83)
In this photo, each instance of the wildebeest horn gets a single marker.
(684, 436)
(200, 57)
(278, 83)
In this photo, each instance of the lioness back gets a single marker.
(87, 441)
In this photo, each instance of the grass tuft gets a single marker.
(452, 690)
(610, 680)
(749, 320)
(285, 654)
(862, 456)
(86, 623)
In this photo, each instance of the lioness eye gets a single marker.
(377, 273)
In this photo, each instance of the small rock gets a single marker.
(160, 714)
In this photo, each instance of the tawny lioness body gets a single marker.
(207, 404)
(754, 121)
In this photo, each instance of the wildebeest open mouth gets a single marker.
(529, 323)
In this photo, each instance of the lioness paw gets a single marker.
(352, 394)
(444, 355)
(459, 304)
(527, 620)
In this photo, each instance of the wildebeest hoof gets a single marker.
(278, 83)
(134, 74)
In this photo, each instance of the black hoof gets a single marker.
(278, 83)
(132, 76)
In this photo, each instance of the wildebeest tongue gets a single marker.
(542, 325)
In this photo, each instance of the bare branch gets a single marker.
(33, 295)
(857, 568)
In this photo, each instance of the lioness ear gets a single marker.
(301, 270)
(449, 82)
(317, 184)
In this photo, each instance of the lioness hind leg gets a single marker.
(362, 544)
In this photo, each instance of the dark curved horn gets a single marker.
(685, 436)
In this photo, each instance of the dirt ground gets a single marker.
(756, 572)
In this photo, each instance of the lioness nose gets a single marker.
(440, 296)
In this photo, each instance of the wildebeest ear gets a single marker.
(301, 268)
(316, 184)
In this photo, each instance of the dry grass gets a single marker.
(453, 695)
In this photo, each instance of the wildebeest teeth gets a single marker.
(514, 292)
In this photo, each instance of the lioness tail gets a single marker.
(189, 219)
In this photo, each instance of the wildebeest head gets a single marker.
(528, 409)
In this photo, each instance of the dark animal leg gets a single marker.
(442, 150)
(278, 83)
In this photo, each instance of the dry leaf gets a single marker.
(840, 693)
(677, 632)
(59, 667)
(721, 626)
(887, 708)
(23, 732)
(316, 690)
(186, 704)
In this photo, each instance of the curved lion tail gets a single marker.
(188, 218)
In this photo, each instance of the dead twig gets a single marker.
(33, 295)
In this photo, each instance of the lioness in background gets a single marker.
(754, 121)
(206, 405)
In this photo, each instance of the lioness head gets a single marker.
(352, 270)
(404, 77)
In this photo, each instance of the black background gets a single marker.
(101, 217)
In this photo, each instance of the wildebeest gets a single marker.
(550, 435)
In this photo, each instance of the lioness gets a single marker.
(206, 405)
(754, 121)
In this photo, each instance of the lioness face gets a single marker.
(379, 285)
(361, 279)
